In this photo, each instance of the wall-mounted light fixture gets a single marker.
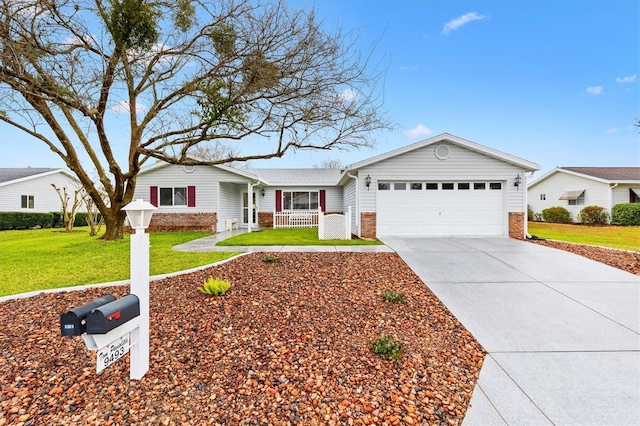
(517, 181)
(367, 181)
(262, 192)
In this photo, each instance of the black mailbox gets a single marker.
(74, 321)
(105, 318)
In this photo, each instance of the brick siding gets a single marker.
(183, 222)
(516, 225)
(368, 225)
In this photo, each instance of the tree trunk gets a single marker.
(114, 225)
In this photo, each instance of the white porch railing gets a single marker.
(335, 226)
(296, 219)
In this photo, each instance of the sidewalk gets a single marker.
(207, 244)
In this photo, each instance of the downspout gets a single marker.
(357, 209)
(525, 199)
(610, 207)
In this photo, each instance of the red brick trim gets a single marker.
(516, 225)
(368, 225)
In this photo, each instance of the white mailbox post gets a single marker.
(139, 214)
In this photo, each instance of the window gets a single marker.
(578, 201)
(634, 195)
(300, 200)
(28, 202)
(432, 186)
(479, 185)
(416, 186)
(463, 185)
(447, 186)
(495, 185)
(399, 186)
(543, 197)
(384, 186)
(173, 196)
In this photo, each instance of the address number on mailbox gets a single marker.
(113, 352)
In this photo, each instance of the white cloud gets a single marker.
(346, 96)
(405, 68)
(612, 130)
(623, 80)
(122, 107)
(420, 130)
(594, 90)
(456, 23)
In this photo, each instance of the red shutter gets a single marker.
(191, 196)
(323, 199)
(278, 200)
(154, 196)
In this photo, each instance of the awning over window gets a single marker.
(572, 195)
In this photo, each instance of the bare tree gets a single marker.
(69, 207)
(331, 163)
(109, 84)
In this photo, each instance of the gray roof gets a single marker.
(298, 176)
(608, 173)
(9, 174)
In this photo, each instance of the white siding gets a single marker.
(349, 199)
(230, 203)
(204, 178)
(621, 193)
(596, 193)
(45, 199)
(422, 165)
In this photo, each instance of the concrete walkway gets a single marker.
(209, 244)
(562, 331)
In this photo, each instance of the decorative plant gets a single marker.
(386, 348)
(269, 258)
(215, 286)
(392, 296)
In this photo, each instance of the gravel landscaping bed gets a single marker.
(290, 343)
(626, 260)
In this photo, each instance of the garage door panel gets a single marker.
(441, 212)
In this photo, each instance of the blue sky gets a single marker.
(554, 82)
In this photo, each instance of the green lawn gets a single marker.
(45, 258)
(290, 237)
(620, 237)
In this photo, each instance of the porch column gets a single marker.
(249, 205)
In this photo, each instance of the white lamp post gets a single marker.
(139, 215)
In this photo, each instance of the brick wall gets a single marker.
(516, 225)
(183, 222)
(368, 224)
(265, 219)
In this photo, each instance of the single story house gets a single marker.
(29, 189)
(441, 186)
(576, 187)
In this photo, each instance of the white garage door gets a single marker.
(440, 208)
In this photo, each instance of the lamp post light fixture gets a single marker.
(262, 192)
(139, 214)
(517, 181)
(367, 181)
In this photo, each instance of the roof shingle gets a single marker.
(608, 173)
(9, 174)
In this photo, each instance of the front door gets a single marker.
(246, 207)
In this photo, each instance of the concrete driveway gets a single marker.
(562, 331)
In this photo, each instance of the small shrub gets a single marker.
(626, 214)
(269, 258)
(215, 286)
(392, 296)
(529, 213)
(386, 348)
(594, 215)
(556, 215)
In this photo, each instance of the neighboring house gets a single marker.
(576, 187)
(442, 186)
(29, 189)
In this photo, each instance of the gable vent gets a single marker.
(442, 152)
